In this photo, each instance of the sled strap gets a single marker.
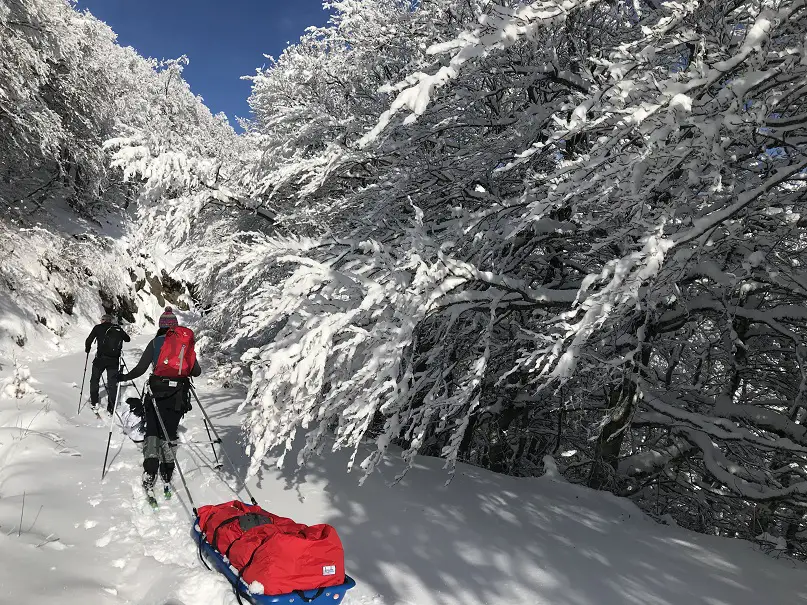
(215, 535)
(229, 548)
(216, 531)
(245, 532)
(238, 595)
(252, 556)
(317, 595)
(201, 556)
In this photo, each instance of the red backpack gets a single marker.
(177, 355)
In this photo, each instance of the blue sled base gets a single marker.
(332, 595)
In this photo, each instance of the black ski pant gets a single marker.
(158, 455)
(110, 365)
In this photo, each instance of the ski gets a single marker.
(167, 492)
(94, 408)
(152, 500)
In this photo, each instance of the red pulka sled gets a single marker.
(272, 559)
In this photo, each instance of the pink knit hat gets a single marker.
(168, 319)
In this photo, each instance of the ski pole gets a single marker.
(212, 446)
(221, 444)
(109, 438)
(173, 455)
(83, 378)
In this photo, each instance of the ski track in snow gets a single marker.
(484, 539)
(141, 556)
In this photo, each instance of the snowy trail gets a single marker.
(484, 539)
(120, 551)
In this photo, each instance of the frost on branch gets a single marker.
(499, 28)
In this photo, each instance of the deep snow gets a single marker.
(485, 538)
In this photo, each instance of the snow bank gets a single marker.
(52, 284)
(18, 384)
(57, 278)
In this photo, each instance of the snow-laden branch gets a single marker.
(717, 428)
(499, 29)
(653, 460)
(704, 224)
(592, 220)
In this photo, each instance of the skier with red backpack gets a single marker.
(173, 358)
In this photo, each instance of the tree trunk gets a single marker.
(623, 403)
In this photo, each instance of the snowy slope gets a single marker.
(53, 272)
(483, 539)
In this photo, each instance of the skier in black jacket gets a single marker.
(110, 338)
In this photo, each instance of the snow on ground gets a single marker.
(485, 539)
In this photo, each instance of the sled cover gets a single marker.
(282, 555)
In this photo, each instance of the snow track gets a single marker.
(483, 539)
(120, 550)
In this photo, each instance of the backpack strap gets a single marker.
(158, 345)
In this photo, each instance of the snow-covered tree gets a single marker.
(66, 89)
(534, 228)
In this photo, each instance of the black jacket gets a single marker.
(146, 359)
(98, 333)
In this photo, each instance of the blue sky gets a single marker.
(223, 40)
